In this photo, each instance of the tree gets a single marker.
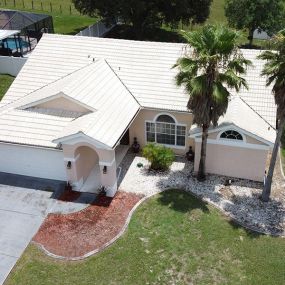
(211, 64)
(144, 14)
(274, 69)
(265, 15)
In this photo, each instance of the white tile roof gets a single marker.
(240, 114)
(123, 72)
(96, 86)
(31, 128)
(258, 97)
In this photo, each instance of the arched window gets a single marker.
(165, 119)
(165, 130)
(232, 135)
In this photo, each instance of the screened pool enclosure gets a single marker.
(29, 27)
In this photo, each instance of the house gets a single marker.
(78, 103)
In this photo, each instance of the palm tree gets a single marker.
(274, 69)
(211, 65)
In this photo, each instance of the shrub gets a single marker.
(159, 156)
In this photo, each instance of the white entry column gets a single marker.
(108, 172)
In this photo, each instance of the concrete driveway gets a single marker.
(22, 211)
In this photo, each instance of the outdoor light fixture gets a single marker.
(104, 169)
(68, 166)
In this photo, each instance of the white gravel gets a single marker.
(240, 201)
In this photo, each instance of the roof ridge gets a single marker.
(256, 112)
(121, 81)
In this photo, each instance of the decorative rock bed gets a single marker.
(240, 201)
(78, 235)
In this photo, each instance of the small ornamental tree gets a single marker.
(159, 156)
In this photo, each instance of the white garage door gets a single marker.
(30, 161)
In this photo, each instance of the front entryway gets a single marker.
(125, 139)
(92, 166)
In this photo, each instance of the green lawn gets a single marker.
(64, 23)
(173, 238)
(5, 82)
(283, 158)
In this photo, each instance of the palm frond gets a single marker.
(220, 93)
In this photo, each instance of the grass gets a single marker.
(71, 25)
(173, 238)
(5, 82)
(283, 158)
(64, 23)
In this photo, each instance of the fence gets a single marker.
(260, 35)
(11, 65)
(97, 30)
(49, 6)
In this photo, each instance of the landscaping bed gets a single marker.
(173, 238)
(240, 200)
(77, 234)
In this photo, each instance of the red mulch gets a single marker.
(76, 234)
(69, 196)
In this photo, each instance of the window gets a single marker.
(232, 135)
(165, 131)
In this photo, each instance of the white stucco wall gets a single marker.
(233, 161)
(11, 65)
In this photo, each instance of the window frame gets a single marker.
(243, 141)
(176, 124)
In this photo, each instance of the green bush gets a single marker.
(159, 156)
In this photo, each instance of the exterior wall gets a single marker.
(137, 129)
(249, 139)
(11, 65)
(32, 161)
(63, 104)
(233, 161)
(87, 159)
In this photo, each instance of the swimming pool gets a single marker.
(10, 43)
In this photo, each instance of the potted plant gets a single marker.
(136, 146)
(190, 154)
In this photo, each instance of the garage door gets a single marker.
(30, 161)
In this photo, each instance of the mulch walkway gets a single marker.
(74, 235)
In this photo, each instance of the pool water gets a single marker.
(10, 43)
